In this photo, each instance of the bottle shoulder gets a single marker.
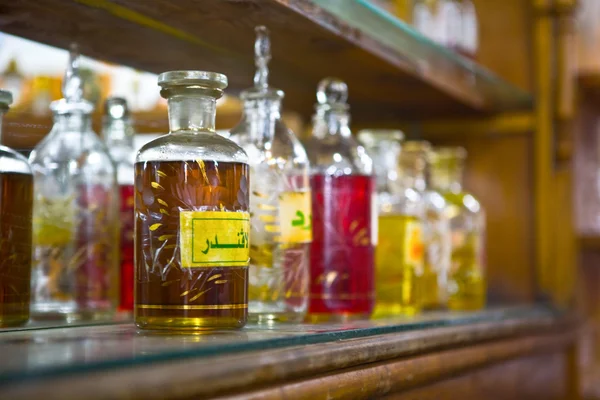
(338, 155)
(463, 200)
(85, 148)
(13, 162)
(185, 146)
(284, 149)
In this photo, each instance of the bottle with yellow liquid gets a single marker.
(466, 276)
(433, 285)
(399, 256)
(280, 200)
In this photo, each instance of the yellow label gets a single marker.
(413, 244)
(214, 239)
(295, 217)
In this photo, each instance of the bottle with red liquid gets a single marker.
(118, 134)
(344, 212)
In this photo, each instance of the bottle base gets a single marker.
(68, 312)
(318, 318)
(275, 317)
(188, 324)
(394, 310)
(13, 320)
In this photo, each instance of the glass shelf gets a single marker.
(41, 351)
(432, 62)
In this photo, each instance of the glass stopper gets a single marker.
(72, 86)
(262, 56)
(332, 91)
(209, 83)
(116, 108)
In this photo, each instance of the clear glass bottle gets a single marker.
(399, 257)
(118, 134)
(344, 212)
(280, 200)
(191, 215)
(16, 202)
(466, 276)
(433, 284)
(75, 213)
(469, 30)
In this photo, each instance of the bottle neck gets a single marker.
(447, 178)
(76, 122)
(331, 123)
(412, 171)
(118, 133)
(261, 116)
(192, 113)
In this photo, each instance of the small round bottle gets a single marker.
(280, 200)
(466, 276)
(16, 202)
(399, 256)
(118, 134)
(433, 284)
(344, 212)
(191, 215)
(75, 213)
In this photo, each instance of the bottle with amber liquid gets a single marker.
(280, 200)
(344, 212)
(118, 134)
(16, 202)
(399, 257)
(75, 213)
(433, 284)
(191, 215)
(466, 275)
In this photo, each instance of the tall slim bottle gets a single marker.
(344, 212)
(466, 276)
(75, 213)
(279, 199)
(118, 134)
(191, 215)
(16, 202)
(399, 257)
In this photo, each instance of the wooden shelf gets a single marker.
(361, 359)
(393, 72)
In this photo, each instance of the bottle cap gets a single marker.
(332, 93)
(116, 108)
(72, 89)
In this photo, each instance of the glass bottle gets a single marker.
(118, 134)
(16, 202)
(191, 215)
(280, 200)
(432, 287)
(344, 212)
(399, 256)
(466, 276)
(75, 213)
